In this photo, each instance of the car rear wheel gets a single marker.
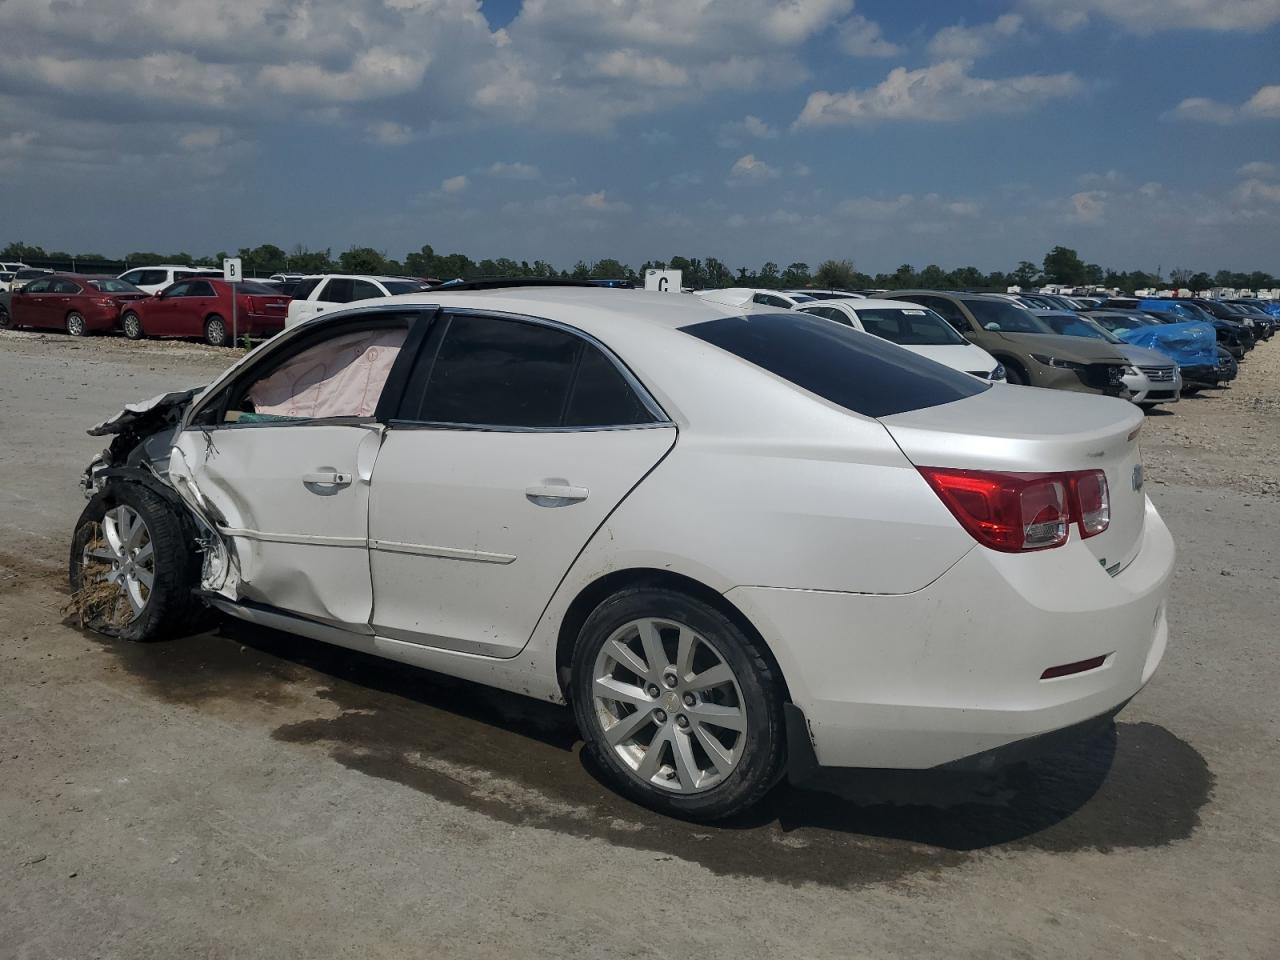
(131, 324)
(133, 565)
(6, 323)
(75, 324)
(679, 708)
(215, 332)
(1015, 374)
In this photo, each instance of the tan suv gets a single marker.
(1031, 352)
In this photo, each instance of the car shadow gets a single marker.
(519, 761)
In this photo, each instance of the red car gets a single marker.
(201, 307)
(78, 305)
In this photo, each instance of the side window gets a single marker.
(948, 311)
(64, 286)
(831, 313)
(504, 373)
(342, 375)
(134, 277)
(337, 290)
(304, 287)
(364, 290)
(771, 301)
(178, 290)
(153, 277)
(38, 286)
(200, 288)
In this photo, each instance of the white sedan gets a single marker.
(914, 327)
(736, 544)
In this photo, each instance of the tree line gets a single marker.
(1061, 265)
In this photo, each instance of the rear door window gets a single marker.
(305, 286)
(863, 374)
(364, 290)
(337, 290)
(508, 374)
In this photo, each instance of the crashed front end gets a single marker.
(143, 435)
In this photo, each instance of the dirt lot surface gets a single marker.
(249, 794)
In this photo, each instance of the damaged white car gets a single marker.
(738, 542)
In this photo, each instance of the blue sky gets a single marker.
(1144, 133)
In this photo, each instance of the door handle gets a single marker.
(555, 492)
(327, 478)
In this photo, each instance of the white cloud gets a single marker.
(388, 133)
(1088, 206)
(942, 92)
(970, 43)
(377, 72)
(455, 185)
(1150, 16)
(1263, 105)
(652, 71)
(1259, 169)
(748, 170)
(748, 128)
(860, 37)
(513, 171)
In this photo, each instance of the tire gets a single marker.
(1190, 391)
(689, 784)
(75, 324)
(215, 332)
(167, 608)
(1015, 374)
(131, 326)
(6, 322)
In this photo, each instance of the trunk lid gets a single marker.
(1030, 430)
(264, 305)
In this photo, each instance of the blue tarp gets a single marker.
(1187, 344)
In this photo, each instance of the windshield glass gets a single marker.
(842, 365)
(395, 287)
(1070, 325)
(114, 286)
(916, 327)
(1007, 317)
(1115, 321)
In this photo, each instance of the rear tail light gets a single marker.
(105, 302)
(1093, 502)
(1021, 512)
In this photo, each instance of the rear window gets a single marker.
(397, 287)
(919, 327)
(850, 369)
(113, 286)
(255, 287)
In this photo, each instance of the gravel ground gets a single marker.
(248, 794)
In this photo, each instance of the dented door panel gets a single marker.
(291, 505)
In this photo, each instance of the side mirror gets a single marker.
(991, 326)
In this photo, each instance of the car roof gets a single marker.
(353, 276)
(869, 303)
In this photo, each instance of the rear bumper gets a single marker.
(954, 670)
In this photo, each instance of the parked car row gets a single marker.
(1150, 351)
(177, 301)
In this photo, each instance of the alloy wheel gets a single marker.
(132, 326)
(215, 332)
(123, 557)
(669, 706)
(75, 325)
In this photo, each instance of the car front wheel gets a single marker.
(679, 708)
(133, 565)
